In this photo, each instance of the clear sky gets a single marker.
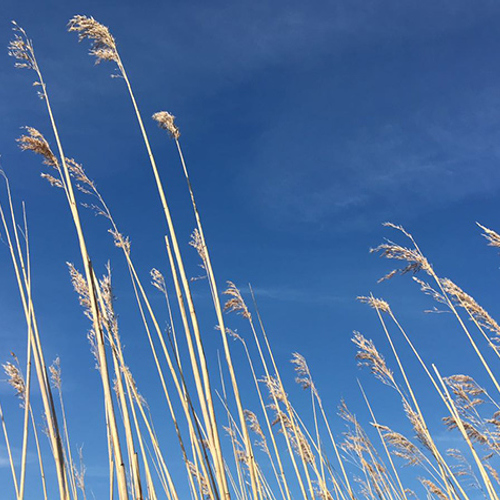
(305, 126)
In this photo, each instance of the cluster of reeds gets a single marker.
(274, 450)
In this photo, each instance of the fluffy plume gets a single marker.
(55, 373)
(415, 260)
(236, 303)
(165, 121)
(36, 142)
(464, 300)
(434, 489)
(103, 44)
(196, 242)
(80, 472)
(379, 304)
(368, 355)
(21, 48)
(492, 237)
(158, 281)
(80, 286)
(304, 377)
(419, 426)
(467, 390)
(200, 478)
(121, 241)
(16, 380)
(402, 447)
(275, 389)
(53, 181)
(254, 425)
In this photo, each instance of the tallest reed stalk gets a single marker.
(104, 48)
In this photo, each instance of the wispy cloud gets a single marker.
(287, 294)
(430, 158)
(16, 455)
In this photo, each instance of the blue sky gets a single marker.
(305, 126)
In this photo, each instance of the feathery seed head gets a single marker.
(21, 48)
(275, 389)
(415, 260)
(492, 237)
(80, 286)
(158, 281)
(419, 426)
(121, 241)
(368, 355)
(55, 373)
(459, 297)
(233, 334)
(201, 479)
(402, 446)
(236, 303)
(466, 389)
(196, 242)
(80, 472)
(103, 44)
(16, 380)
(53, 181)
(433, 489)
(253, 423)
(83, 182)
(165, 121)
(378, 304)
(37, 143)
(302, 446)
(304, 377)
(132, 383)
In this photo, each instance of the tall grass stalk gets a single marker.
(23, 51)
(104, 44)
(218, 469)
(203, 250)
(24, 287)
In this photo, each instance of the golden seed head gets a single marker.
(368, 355)
(165, 121)
(21, 48)
(491, 236)
(81, 288)
(55, 373)
(16, 380)
(36, 142)
(462, 299)
(121, 241)
(103, 44)
(378, 304)
(236, 303)
(158, 281)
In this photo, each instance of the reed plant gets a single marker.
(300, 451)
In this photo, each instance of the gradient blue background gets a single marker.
(305, 126)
